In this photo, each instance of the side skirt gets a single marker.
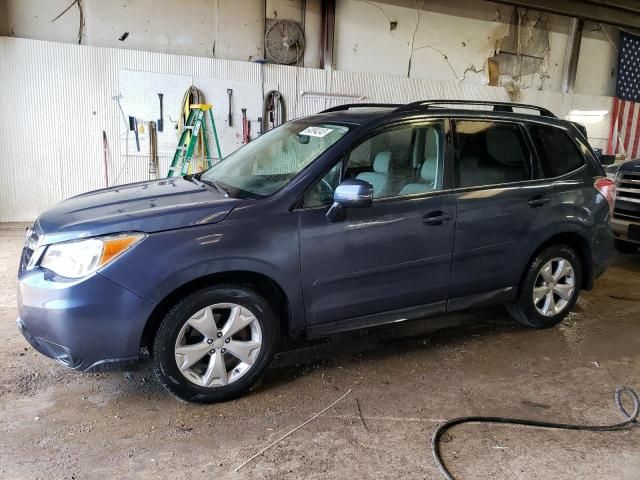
(412, 313)
(365, 321)
(502, 295)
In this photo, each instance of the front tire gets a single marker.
(626, 247)
(215, 344)
(550, 288)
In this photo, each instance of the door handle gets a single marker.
(538, 201)
(436, 218)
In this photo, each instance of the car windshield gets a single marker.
(268, 163)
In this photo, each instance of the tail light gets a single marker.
(607, 188)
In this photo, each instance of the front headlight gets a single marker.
(79, 258)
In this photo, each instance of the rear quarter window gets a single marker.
(557, 153)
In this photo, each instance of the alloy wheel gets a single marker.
(554, 287)
(218, 345)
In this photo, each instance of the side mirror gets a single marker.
(351, 193)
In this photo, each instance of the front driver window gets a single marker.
(406, 160)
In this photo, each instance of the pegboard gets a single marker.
(140, 90)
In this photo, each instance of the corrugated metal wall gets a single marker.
(56, 99)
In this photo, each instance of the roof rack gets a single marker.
(349, 106)
(497, 106)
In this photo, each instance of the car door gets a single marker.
(389, 256)
(498, 199)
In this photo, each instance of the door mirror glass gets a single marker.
(351, 193)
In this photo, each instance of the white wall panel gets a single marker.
(56, 99)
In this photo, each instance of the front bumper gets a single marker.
(626, 230)
(89, 325)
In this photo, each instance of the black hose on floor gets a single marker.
(620, 391)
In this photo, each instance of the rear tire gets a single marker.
(549, 289)
(215, 344)
(626, 247)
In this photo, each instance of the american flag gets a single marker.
(624, 133)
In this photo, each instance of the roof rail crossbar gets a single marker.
(349, 106)
(497, 106)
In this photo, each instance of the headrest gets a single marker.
(381, 162)
(503, 146)
(431, 144)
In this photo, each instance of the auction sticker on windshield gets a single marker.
(316, 131)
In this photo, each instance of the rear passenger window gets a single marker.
(490, 154)
(556, 151)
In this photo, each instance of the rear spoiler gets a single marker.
(581, 128)
(603, 159)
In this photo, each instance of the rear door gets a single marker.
(392, 255)
(498, 199)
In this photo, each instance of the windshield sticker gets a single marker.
(316, 131)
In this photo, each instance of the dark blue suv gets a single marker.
(358, 216)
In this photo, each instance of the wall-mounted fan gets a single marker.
(284, 42)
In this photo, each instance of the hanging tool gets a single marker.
(273, 110)
(195, 124)
(105, 151)
(230, 117)
(192, 96)
(246, 125)
(133, 125)
(261, 62)
(161, 119)
(117, 99)
(153, 151)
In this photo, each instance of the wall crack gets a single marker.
(392, 23)
(442, 54)
(81, 22)
(417, 16)
(472, 69)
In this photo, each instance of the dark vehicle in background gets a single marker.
(358, 216)
(626, 215)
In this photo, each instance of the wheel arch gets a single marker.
(262, 284)
(579, 244)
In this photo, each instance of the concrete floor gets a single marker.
(406, 378)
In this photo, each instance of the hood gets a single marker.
(143, 207)
(630, 166)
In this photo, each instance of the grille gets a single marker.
(628, 197)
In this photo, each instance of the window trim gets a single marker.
(455, 157)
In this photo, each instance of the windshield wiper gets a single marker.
(210, 183)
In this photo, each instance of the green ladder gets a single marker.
(196, 124)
